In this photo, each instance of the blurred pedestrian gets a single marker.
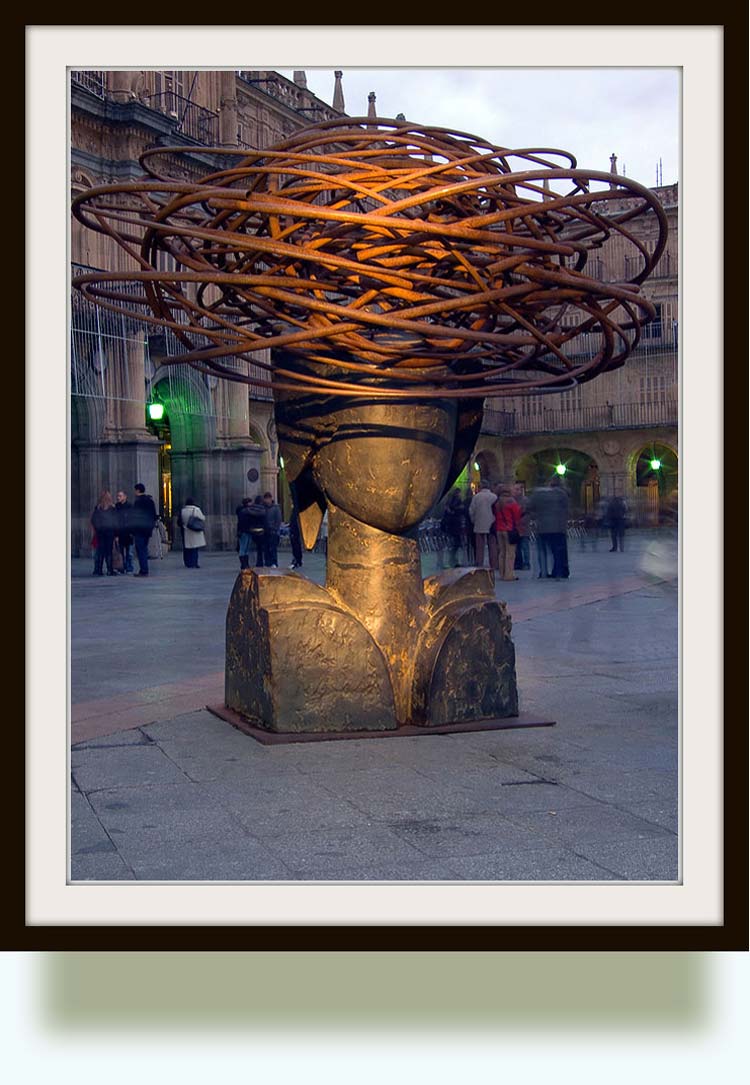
(124, 536)
(295, 539)
(617, 512)
(192, 521)
(142, 523)
(482, 518)
(104, 523)
(559, 540)
(548, 505)
(523, 549)
(507, 519)
(251, 519)
(271, 531)
(452, 524)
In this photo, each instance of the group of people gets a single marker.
(498, 520)
(501, 518)
(123, 524)
(259, 528)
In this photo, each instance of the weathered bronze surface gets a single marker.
(399, 274)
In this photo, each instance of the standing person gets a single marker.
(251, 518)
(482, 518)
(104, 523)
(296, 540)
(452, 525)
(507, 519)
(549, 507)
(617, 512)
(143, 521)
(523, 552)
(467, 532)
(192, 520)
(124, 536)
(561, 507)
(271, 532)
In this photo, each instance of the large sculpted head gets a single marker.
(398, 273)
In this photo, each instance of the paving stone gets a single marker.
(463, 836)
(86, 831)
(239, 859)
(647, 858)
(123, 766)
(271, 805)
(103, 867)
(368, 844)
(132, 737)
(419, 869)
(621, 788)
(546, 865)
(155, 816)
(510, 798)
(577, 824)
(664, 813)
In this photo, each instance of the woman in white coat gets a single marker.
(192, 540)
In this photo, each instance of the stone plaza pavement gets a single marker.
(162, 790)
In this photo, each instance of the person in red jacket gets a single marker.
(508, 519)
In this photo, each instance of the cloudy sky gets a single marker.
(591, 112)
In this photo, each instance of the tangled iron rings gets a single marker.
(409, 260)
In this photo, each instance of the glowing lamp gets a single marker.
(155, 411)
(561, 469)
(655, 465)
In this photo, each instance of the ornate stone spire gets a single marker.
(613, 169)
(371, 110)
(338, 93)
(301, 80)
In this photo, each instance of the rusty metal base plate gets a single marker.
(278, 738)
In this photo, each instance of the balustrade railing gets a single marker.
(194, 121)
(662, 412)
(92, 81)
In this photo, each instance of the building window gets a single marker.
(653, 330)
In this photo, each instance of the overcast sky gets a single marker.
(591, 112)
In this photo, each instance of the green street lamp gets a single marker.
(655, 465)
(561, 469)
(156, 411)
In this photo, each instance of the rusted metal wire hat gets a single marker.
(409, 260)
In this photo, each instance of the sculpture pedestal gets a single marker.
(306, 659)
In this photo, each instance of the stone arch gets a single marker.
(654, 490)
(488, 466)
(581, 477)
(188, 403)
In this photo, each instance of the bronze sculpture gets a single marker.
(400, 275)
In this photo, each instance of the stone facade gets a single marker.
(217, 443)
(605, 428)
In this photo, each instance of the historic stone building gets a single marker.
(215, 440)
(607, 433)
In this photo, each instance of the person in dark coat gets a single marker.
(143, 521)
(548, 505)
(452, 524)
(124, 536)
(251, 520)
(104, 522)
(271, 531)
(295, 539)
(616, 515)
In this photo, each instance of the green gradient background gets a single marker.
(403, 990)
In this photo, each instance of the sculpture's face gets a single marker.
(386, 464)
